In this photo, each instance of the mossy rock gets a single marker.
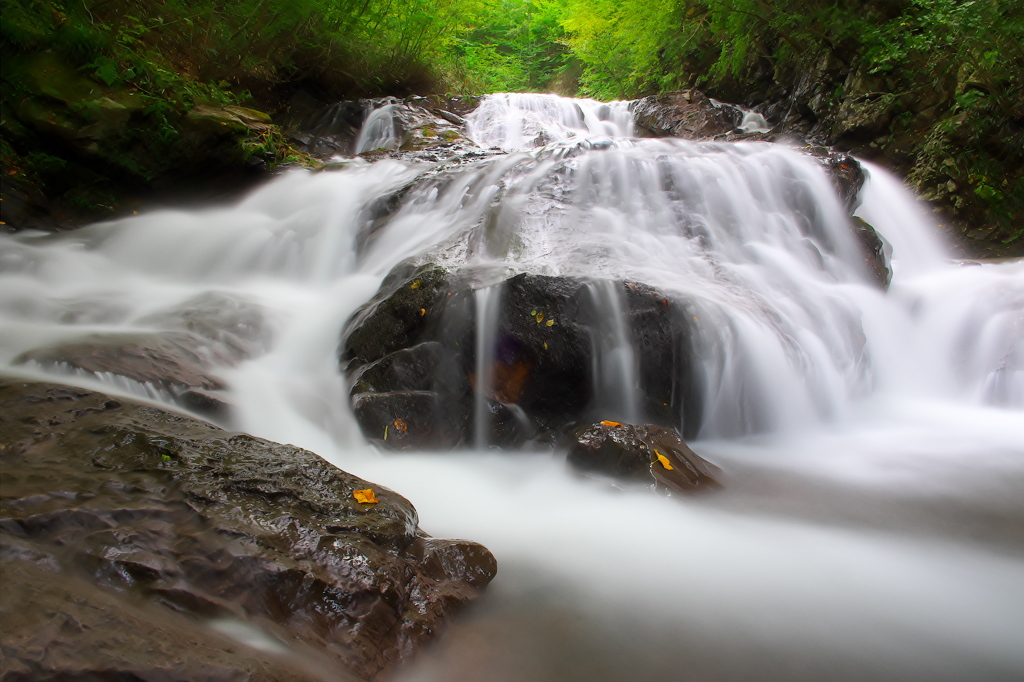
(214, 119)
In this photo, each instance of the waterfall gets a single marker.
(870, 522)
(614, 365)
(486, 302)
(522, 121)
(379, 130)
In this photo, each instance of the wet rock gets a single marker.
(414, 124)
(119, 514)
(177, 365)
(398, 316)
(64, 627)
(663, 344)
(209, 404)
(846, 173)
(645, 452)
(409, 369)
(876, 252)
(689, 114)
(331, 130)
(405, 420)
(233, 118)
(213, 330)
(542, 357)
(173, 361)
(413, 352)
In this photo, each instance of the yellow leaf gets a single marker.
(365, 496)
(423, 311)
(608, 423)
(540, 317)
(550, 322)
(664, 461)
(386, 431)
(415, 285)
(401, 426)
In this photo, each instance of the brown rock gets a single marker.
(689, 114)
(172, 361)
(641, 452)
(161, 514)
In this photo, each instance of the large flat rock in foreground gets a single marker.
(141, 544)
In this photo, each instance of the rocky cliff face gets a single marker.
(141, 544)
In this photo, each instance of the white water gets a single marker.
(520, 121)
(872, 524)
(379, 130)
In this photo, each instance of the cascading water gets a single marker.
(486, 309)
(615, 366)
(871, 519)
(520, 121)
(379, 130)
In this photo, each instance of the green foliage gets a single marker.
(625, 44)
(507, 45)
(963, 58)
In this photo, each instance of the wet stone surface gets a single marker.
(644, 453)
(411, 358)
(160, 525)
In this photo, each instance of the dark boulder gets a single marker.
(663, 344)
(331, 130)
(410, 369)
(843, 170)
(146, 531)
(645, 452)
(689, 114)
(398, 317)
(412, 358)
(542, 350)
(406, 419)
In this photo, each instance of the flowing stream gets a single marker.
(872, 520)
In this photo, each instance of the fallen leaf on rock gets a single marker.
(415, 285)
(610, 423)
(401, 426)
(365, 496)
(664, 461)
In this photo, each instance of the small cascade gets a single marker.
(966, 318)
(614, 371)
(486, 308)
(379, 129)
(524, 121)
(887, 205)
(754, 122)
